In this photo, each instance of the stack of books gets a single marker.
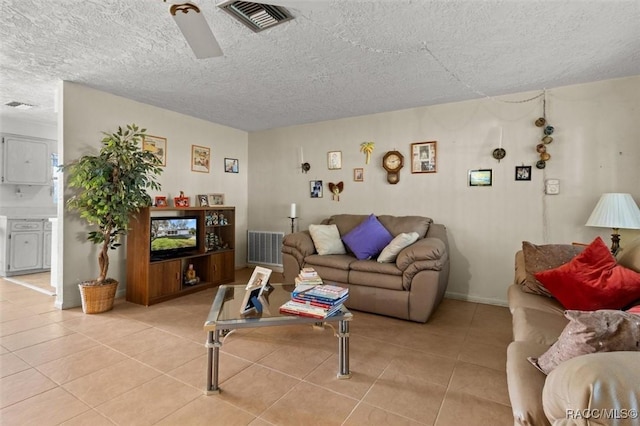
(308, 277)
(320, 301)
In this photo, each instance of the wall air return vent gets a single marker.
(256, 16)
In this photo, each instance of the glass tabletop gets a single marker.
(225, 312)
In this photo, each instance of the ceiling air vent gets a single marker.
(256, 16)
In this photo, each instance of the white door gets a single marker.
(26, 251)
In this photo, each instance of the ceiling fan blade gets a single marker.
(196, 30)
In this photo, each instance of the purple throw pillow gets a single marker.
(367, 239)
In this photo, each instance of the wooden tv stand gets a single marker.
(153, 281)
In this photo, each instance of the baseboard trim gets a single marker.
(476, 299)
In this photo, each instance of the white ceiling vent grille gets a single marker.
(256, 16)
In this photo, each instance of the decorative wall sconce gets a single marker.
(305, 167)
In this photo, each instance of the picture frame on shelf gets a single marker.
(523, 173)
(160, 201)
(358, 174)
(315, 187)
(200, 158)
(334, 160)
(203, 200)
(231, 165)
(481, 177)
(423, 157)
(156, 145)
(216, 200)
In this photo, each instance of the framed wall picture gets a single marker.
(231, 165)
(158, 146)
(358, 174)
(203, 200)
(316, 188)
(523, 172)
(423, 157)
(334, 160)
(216, 199)
(200, 158)
(481, 177)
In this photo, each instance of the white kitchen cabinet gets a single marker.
(25, 161)
(25, 246)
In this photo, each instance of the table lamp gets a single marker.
(615, 210)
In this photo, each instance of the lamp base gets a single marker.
(615, 241)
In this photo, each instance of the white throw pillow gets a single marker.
(391, 251)
(326, 238)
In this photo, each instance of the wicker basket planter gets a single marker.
(98, 298)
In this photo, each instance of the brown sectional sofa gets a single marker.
(597, 382)
(409, 288)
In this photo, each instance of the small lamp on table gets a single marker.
(615, 211)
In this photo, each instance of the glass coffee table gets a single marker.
(225, 316)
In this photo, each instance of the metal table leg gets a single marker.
(343, 350)
(213, 354)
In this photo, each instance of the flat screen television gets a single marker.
(174, 236)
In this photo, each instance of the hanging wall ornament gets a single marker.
(499, 153)
(547, 131)
(336, 189)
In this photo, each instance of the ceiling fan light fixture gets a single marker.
(196, 30)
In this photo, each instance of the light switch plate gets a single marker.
(552, 187)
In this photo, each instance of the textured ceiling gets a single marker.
(335, 59)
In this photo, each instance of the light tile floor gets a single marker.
(146, 365)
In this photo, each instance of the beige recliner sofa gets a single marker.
(409, 288)
(604, 386)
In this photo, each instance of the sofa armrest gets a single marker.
(299, 245)
(430, 253)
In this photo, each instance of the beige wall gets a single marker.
(596, 149)
(86, 113)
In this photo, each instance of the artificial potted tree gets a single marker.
(108, 188)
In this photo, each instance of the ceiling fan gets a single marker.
(256, 14)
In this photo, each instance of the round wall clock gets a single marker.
(392, 163)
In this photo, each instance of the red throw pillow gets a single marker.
(592, 280)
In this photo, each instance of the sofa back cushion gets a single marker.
(394, 224)
(629, 256)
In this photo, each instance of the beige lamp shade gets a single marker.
(615, 210)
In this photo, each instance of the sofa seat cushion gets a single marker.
(336, 261)
(533, 325)
(375, 267)
(370, 273)
(601, 382)
(520, 299)
(525, 384)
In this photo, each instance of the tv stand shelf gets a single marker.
(151, 281)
